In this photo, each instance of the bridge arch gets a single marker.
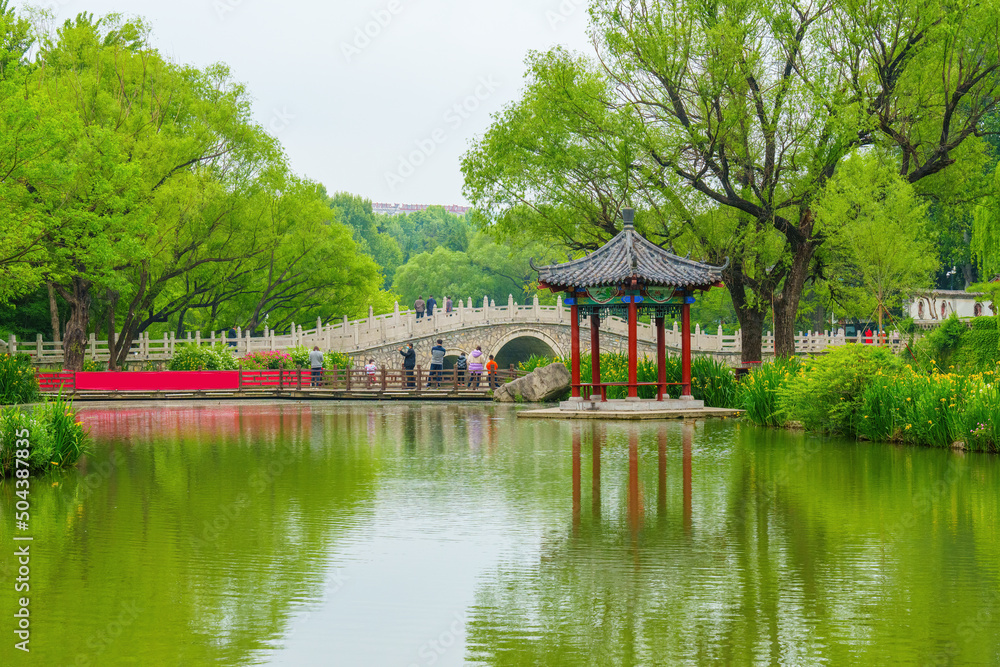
(518, 345)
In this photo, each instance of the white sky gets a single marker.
(349, 111)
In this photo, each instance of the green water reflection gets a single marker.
(448, 534)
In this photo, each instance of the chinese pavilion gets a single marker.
(628, 277)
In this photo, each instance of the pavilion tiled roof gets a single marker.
(628, 255)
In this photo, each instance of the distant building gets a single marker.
(403, 209)
(936, 305)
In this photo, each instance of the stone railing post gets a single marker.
(534, 308)
(559, 308)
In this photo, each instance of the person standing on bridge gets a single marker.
(437, 363)
(475, 366)
(316, 365)
(447, 304)
(431, 305)
(419, 305)
(409, 362)
(461, 364)
(491, 373)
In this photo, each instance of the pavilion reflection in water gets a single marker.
(635, 510)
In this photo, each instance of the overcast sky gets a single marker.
(363, 93)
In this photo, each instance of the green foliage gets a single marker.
(333, 360)
(827, 391)
(203, 358)
(92, 365)
(983, 342)
(55, 437)
(877, 245)
(759, 391)
(944, 343)
(484, 268)
(17, 380)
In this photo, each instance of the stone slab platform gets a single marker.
(630, 405)
(691, 413)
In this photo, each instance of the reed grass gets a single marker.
(18, 383)
(55, 437)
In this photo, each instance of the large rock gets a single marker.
(539, 386)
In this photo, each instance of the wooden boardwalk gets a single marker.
(297, 384)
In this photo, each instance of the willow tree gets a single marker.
(750, 107)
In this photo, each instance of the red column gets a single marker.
(595, 354)
(661, 359)
(686, 349)
(633, 351)
(574, 355)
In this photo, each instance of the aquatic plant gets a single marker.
(18, 383)
(54, 437)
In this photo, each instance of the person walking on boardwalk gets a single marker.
(409, 362)
(461, 364)
(419, 305)
(437, 364)
(371, 369)
(491, 373)
(316, 365)
(476, 366)
(431, 305)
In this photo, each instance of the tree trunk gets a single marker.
(180, 324)
(54, 313)
(751, 320)
(112, 347)
(75, 338)
(786, 303)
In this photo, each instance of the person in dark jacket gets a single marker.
(461, 364)
(431, 305)
(437, 363)
(409, 362)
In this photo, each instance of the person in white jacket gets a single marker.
(476, 360)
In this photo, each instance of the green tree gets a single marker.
(751, 108)
(369, 232)
(877, 238)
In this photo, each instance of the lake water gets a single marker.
(447, 534)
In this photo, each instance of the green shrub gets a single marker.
(759, 391)
(333, 360)
(18, 383)
(92, 365)
(983, 343)
(944, 343)
(55, 437)
(827, 392)
(203, 358)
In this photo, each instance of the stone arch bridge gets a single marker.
(512, 332)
